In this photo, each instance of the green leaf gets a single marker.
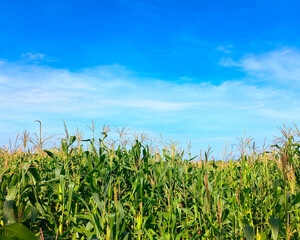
(18, 232)
(50, 154)
(57, 170)
(296, 199)
(8, 212)
(64, 146)
(249, 232)
(72, 140)
(125, 236)
(275, 187)
(224, 215)
(275, 223)
(34, 172)
(71, 189)
(33, 216)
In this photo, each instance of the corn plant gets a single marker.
(111, 191)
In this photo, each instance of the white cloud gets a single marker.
(198, 111)
(225, 49)
(281, 66)
(33, 56)
(149, 104)
(45, 89)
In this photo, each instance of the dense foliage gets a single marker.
(120, 193)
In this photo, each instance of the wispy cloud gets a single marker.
(225, 49)
(281, 65)
(33, 56)
(118, 96)
(97, 88)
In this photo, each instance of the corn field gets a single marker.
(110, 191)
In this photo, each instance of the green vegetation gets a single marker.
(110, 191)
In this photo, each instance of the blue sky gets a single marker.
(190, 70)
